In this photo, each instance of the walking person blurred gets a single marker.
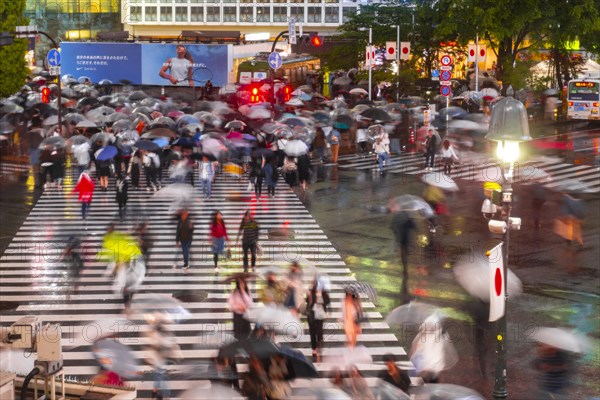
(104, 169)
(351, 317)
(162, 349)
(568, 225)
(207, 174)
(394, 375)
(218, 237)
(290, 171)
(239, 301)
(449, 156)
(256, 382)
(304, 171)
(135, 169)
(334, 140)
(295, 288)
(430, 149)
(74, 262)
(317, 304)
(250, 231)
(383, 152)
(256, 175)
(358, 386)
(319, 144)
(184, 236)
(85, 187)
(122, 187)
(271, 177)
(151, 163)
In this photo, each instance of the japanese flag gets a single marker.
(390, 50)
(471, 53)
(481, 54)
(497, 284)
(369, 55)
(404, 50)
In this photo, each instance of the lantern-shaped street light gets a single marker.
(508, 126)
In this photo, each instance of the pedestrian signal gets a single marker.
(315, 40)
(45, 94)
(287, 93)
(254, 95)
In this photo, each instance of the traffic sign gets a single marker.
(445, 83)
(446, 75)
(275, 60)
(54, 70)
(445, 91)
(446, 60)
(446, 67)
(292, 30)
(53, 58)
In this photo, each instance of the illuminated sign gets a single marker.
(585, 84)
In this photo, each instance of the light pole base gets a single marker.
(500, 394)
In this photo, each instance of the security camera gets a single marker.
(514, 223)
(488, 209)
(496, 226)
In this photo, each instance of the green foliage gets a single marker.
(12, 58)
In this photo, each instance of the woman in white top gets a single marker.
(361, 142)
(382, 150)
(448, 156)
(239, 302)
(180, 68)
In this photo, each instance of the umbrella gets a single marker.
(78, 139)
(490, 93)
(117, 116)
(408, 202)
(563, 339)
(293, 122)
(160, 132)
(235, 124)
(297, 364)
(257, 346)
(376, 114)
(387, 391)
(360, 108)
(119, 247)
(320, 116)
(357, 288)
(259, 113)
(440, 180)
(345, 357)
(132, 135)
(115, 357)
(295, 148)
(452, 112)
(262, 152)
(213, 147)
(6, 127)
(121, 125)
(107, 153)
(374, 131)
(358, 91)
(146, 145)
(239, 275)
(296, 102)
(214, 339)
(340, 125)
(413, 313)
(86, 123)
(276, 319)
(184, 142)
(137, 95)
(161, 142)
(181, 196)
(53, 141)
(100, 137)
(444, 391)
(344, 119)
(474, 277)
(168, 306)
(51, 120)
(342, 81)
(467, 125)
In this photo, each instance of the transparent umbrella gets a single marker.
(474, 276)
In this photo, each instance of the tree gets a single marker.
(12, 58)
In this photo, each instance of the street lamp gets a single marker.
(508, 127)
(371, 58)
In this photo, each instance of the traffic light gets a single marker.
(45, 94)
(315, 40)
(287, 93)
(254, 94)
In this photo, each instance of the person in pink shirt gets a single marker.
(239, 302)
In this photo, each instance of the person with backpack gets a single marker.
(184, 236)
(271, 176)
(151, 164)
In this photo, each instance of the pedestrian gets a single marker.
(121, 186)
(304, 171)
(568, 225)
(218, 237)
(295, 288)
(403, 225)
(239, 301)
(430, 144)
(351, 317)
(317, 304)
(145, 241)
(358, 386)
(151, 164)
(256, 382)
(271, 176)
(184, 236)
(393, 375)
(73, 260)
(58, 157)
(435, 197)
(319, 144)
(383, 152)
(135, 169)
(250, 231)
(257, 175)
(85, 188)
(553, 366)
(290, 171)
(104, 169)
(279, 388)
(334, 140)
(539, 193)
(449, 156)
(46, 163)
(81, 154)
(272, 293)
(162, 350)
(207, 174)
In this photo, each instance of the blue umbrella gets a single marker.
(107, 153)
(248, 137)
(161, 142)
(341, 125)
(146, 145)
(183, 141)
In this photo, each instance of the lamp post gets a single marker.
(508, 127)
(370, 61)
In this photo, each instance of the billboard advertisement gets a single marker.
(148, 63)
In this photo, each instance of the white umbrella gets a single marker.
(168, 306)
(358, 91)
(414, 312)
(259, 113)
(85, 124)
(181, 196)
(408, 202)
(440, 180)
(466, 125)
(214, 391)
(474, 277)
(489, 92)
(216, 339)
(51, 120)
(345, 357)
(276, 319)
(563, 339)
(295, 102)
(295, 148)
(212, 146)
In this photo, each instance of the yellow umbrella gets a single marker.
(119, 247)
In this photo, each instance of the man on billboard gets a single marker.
(179, 69)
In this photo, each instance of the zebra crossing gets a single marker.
(581, 178)
(33, 279)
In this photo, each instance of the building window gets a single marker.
(135, 14)
(298, 13)
(166, 14)
(332, 1)
(149, 1)
(196, 14)
(314, 14)
(347, 13)
(279, 14)
(279, 1)
(225, 1)
(166, 1)
(213, 14)
(229, 14)
(246, 1)
(196, 1)
(313, 1)
(151, 13)
(263, 14)
(182, 1)
(332, 15)
(181, 14)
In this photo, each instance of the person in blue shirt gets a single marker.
(334, 140)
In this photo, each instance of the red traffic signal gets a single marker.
(287, 93)
(315, 40)
(45, 94)
(254, 95)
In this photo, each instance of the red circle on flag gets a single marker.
(498, 282)
(391, 50)
(482, 52)
(472, 53)
(405, 50)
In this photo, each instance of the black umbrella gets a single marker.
(376, 114)
(87, 101)
(262, 152)
(292, 122)
(297, 364)
(184, 142)
(159, 132)
(163, 122)
(137, 95)
(142, 110)
(320, 117)
(260, 347)
(146, 145)
(344, 119)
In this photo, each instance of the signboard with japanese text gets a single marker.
(148, 63)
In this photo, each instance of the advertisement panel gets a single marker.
(148, 63)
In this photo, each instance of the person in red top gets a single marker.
(218, 236)
(85, 186)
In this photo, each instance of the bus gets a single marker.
(583, 99)
(294, 69)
